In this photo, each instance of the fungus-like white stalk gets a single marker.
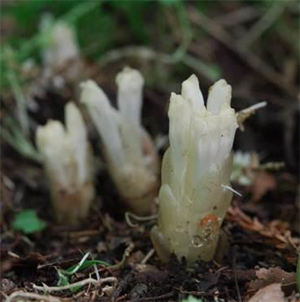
(61, 53)
(196, 169)
(128, 148)
(67, 159)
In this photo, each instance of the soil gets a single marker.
(261, 227)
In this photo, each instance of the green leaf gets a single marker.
(63, 280)
(84, 265)
(192, 299)
(28, 222)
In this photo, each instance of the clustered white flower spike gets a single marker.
(67, 159)
(193, 198)
(129, 151)
(61, 53)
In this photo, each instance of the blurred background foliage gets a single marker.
(252, 44)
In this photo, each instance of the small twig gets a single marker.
(14, 255)
(273, 166)
(21, 294)
(187, 34)
(263, 24)
(244, 14)
(78, 266)
(126, 254)
(46, 288)
(27, 241)
(148, 256)
(254, 107)
(244, 114)
(148, 54)
(220, 34)
(96, 270)
(288, 284)
(203, 68)
(129, 215)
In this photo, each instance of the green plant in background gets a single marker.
(28, 222)
(28, 15)
(16, 129)
(89, 19)
(14, 136)
(95, 23)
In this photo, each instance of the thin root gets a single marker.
(129, 215)
(46, 288)
(21, 294)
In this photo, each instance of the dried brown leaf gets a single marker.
(269, 276)
(276, 230)
(264, 182)
(269, 293)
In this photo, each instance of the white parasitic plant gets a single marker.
(195, 191)
(129, 151)
(61, 53)
(67, 158)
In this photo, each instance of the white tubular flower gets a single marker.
(193, 198)
(129, 150)
(130, 95)
(61, 53)
(68, 164)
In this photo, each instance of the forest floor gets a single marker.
(261, 227)
(109, 259)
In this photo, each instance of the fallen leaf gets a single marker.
(270, 293)
(271, 275)
(263, 183)
(276, 230)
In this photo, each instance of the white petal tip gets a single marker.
(46, 135)
(192, 93)
(129, 77)
(219, 97)
(71, 108)
(191, 80)
(92, 94)
(88, 84)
